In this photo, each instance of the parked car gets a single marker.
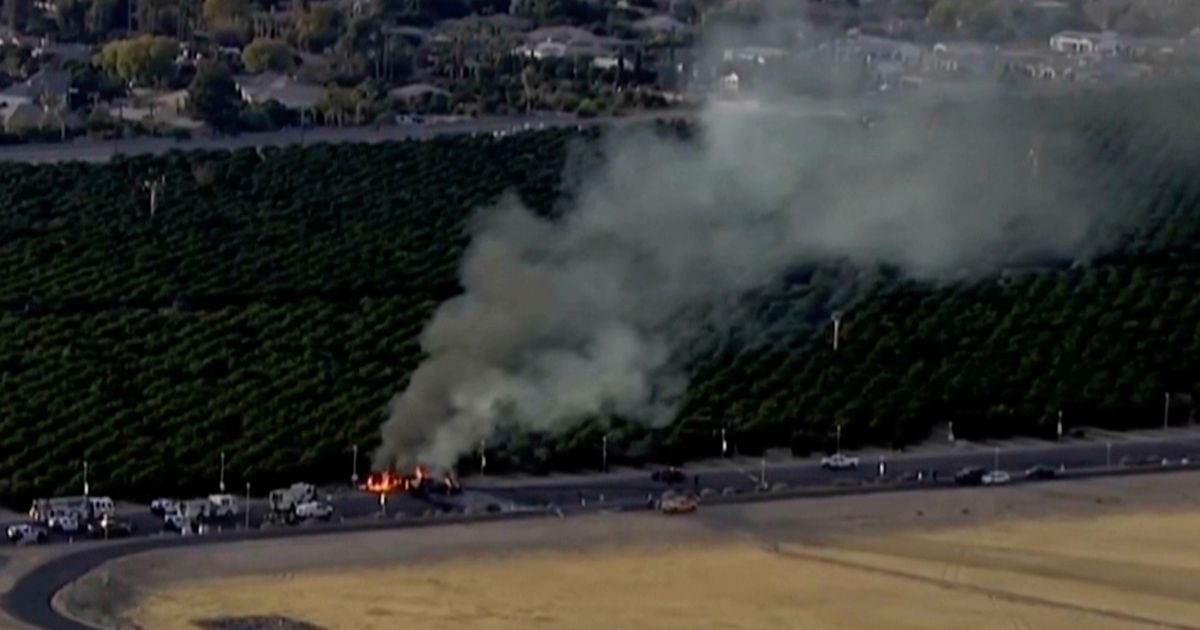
(996, 478)
(110, 528)
(669, 475)
(26, 533)
(1041, 471)
(838, 461)
(162, 507)
(63, 520)
(970, 476)
(65, 523)
(314, 510)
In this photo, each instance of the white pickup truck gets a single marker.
(314, 510)
(838, 461)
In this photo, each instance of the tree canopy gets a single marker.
(213, 96)
(146, 59)
(263, 54)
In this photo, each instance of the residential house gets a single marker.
(1107, 43)
(37, 89)
(660, 25)
(80, 53)
(964, 59)
(1037, 65)
(760, 55)
(415, 91)
(572, 43)
(21, 117)
(269, 86)
(856, 48)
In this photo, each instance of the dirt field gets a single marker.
(1115, 553)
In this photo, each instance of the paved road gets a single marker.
(87, 150)
(723, 477)
(29, 600)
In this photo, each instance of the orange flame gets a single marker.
(383, 482)
(387, 481)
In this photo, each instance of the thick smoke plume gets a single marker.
(584, 316)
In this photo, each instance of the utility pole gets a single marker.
(222, 484)
(154, 186)
(837, 327)
(1166, 410)
(1060, 425)
(604, 453)
(482, 457)
(247, 505)
(354, 466)
(85, 479)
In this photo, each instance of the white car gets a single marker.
(162, 507)
(25, 532)
(65, 523)
(838, 461)
(175, 520)
(314, 509)
(996, 478)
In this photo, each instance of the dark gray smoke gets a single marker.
(583, 316)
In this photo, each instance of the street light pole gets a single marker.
(354, 466)
(482, 457)
(247, 505)
(839, 438)
(1060, 424)
(837, 325)
(1166, 410)
(85, 479)
(604, 453)
(222, 483)
(724, 443)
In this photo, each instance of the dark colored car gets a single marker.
(971, 476)
(669, 475)
(1041, 471)
(110, 528)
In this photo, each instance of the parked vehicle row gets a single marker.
(194, 515)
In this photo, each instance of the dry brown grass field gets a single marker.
(1112, 553)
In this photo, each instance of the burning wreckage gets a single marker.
(419, 484)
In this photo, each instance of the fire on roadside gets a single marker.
(388, 481)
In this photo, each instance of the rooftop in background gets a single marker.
(287, 91)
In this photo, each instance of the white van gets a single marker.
(102, 506)
(222, 506)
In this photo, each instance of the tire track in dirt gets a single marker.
(1008, 596)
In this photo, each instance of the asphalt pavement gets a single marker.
(29, 600)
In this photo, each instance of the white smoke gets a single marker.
(584, 316)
